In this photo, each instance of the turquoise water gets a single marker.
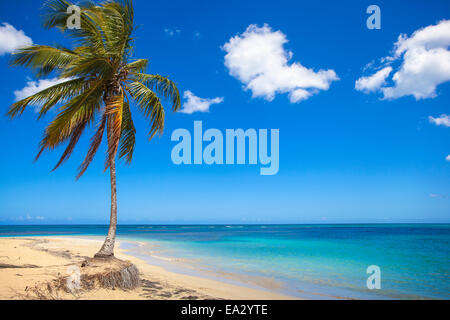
(311, 261)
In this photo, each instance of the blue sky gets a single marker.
(346, 155)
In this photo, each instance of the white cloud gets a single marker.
(442, 120)
(33, 87)
(194, 103)
(424, 62)
(30, 218)
(438, 195)
(447, 158)
(171, 32)
(12, 39)
(257, 58)
(374, 82)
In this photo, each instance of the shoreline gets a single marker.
(143, 250)
(27, 261)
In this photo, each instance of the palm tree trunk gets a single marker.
(107, 249)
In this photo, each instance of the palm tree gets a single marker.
(100, 82)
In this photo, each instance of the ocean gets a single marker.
(307, 261)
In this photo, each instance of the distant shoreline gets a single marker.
(228, 224)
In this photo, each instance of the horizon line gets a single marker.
(220, 224)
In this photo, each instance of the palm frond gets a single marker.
(150, 105)
(114, 113)
(124, 9)
(137, 66)
(87, 66)
(95, 144)
(43, 58)
(162, 86)
(75, 113)
(55, 14)
(76, 134)
(50, 97)
(128, 135)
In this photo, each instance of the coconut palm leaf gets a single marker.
(150, 105)
(128, 135)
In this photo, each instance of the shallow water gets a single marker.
(311, 261)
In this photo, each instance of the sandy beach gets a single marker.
(28, 264)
